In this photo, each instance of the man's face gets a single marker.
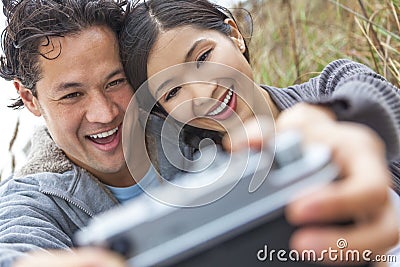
(83, 95)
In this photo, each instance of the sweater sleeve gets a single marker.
(355, 93)
(27, 222)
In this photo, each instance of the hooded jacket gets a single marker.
(47, 201)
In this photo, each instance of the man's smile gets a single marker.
(107, 140)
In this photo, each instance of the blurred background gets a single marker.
(15, 128)
(290, 41)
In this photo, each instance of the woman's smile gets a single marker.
(225, 107)
(216, 96)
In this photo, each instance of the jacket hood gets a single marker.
(44, 156)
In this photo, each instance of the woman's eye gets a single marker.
(71, 95)
(172, 93)
(203, 57)
(116, 82)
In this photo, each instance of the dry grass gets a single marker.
(294, 39)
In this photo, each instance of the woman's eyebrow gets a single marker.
(188, 57)
(161, 87)
(194, 46)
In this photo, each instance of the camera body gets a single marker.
(236, 222)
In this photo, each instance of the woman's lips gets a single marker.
(225, 107)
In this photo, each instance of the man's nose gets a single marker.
(101, 109)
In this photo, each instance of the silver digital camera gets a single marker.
(224, 223)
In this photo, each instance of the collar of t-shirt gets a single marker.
(123, 194)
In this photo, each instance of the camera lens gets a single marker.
(121, 245)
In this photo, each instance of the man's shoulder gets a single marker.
(44, 156)
(42, 190)
(36, 182)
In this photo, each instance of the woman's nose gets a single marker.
(202, 93)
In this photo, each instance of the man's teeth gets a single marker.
(105, 134)
(223, 104)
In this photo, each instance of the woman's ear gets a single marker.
(30, 101)
(235, 35)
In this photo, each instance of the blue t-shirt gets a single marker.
(123, 194)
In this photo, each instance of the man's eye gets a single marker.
(71, 95)
(172, 93)
(203, 57)
(116, 82)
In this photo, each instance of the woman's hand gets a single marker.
(83, 257)
(361, 195)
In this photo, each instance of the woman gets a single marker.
(165, 39)
(177, 32)
(161, 34)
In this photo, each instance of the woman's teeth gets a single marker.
(223, 105)
(105, 134)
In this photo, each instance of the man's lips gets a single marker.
(107, 140)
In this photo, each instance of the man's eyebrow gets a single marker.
(115, 72)
(67, 85)
(189, 54)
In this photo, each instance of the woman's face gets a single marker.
(202, 94)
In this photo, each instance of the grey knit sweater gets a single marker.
(357, 94)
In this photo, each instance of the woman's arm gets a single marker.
(361, 195)
(355, 93)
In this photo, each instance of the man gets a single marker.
(64, 60)
(63, 57)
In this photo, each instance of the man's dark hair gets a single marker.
(32, 23)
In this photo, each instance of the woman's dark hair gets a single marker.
(143, 24)
(32, 23)
(145, 21)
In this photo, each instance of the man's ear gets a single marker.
(235, 35)
(30, 101)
